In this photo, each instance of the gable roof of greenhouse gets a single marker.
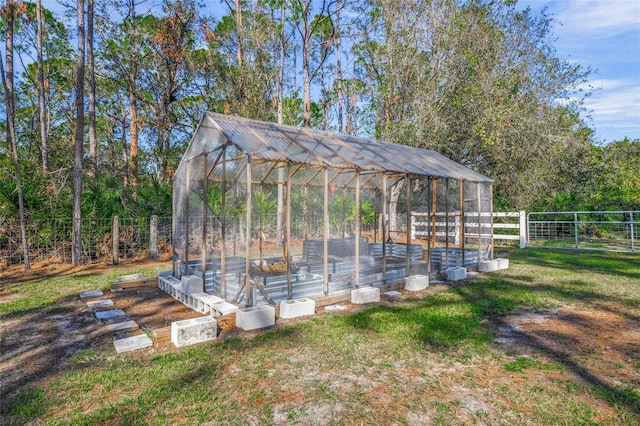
(282, 143)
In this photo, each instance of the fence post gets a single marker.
(575, 228)
(153, 237)
(633, 246)
(523, 229)
(115, 241)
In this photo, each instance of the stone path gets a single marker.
(116, 323)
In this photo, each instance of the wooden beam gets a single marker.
(161, 335)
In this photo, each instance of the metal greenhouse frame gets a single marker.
(265, 212)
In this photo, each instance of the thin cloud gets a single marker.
(593, 18)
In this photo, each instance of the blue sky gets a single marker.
(605, 35)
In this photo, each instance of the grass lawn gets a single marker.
(555, 340)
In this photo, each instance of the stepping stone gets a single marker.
(132, 343)
(121, 327)
(96, 304)
(112, 315)
(90, 294)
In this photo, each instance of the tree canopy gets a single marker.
(477, 80)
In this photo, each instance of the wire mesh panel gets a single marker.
(50, 239)
(597, 230)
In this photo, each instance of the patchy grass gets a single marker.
(35, 291)
(570, 324)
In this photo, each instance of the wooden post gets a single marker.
(409, 207)
(434, 209)
(461, 184)
(384, 228)
(357, 233)
(247, 253)
(479, 202)
(325, 213)
(223, 228)
(287, 246)
(446, 223)
(115, 241)
(153, 237)
(429, 234)
(205, 203)
(187, 222)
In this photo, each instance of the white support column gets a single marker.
(523, 229)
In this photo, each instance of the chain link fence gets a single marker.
(109, 240)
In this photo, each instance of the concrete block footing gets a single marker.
(363, 295)
(502, 263)
(487, 265)
(416, 282)
(255, 317)
(132, 343)
(201, 302)
(297, 308)
(456, 273)
(192, 331)
(192, 284)
(222, 308)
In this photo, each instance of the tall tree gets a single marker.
(93, 142)
(76, 243)
(42, 113)
(7, 82)
(132, 88)
(316, 37)
(171, 41)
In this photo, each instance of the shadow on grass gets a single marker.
(455, 318)
(490, 298)
(618, 264)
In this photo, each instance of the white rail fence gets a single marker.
(506, 226)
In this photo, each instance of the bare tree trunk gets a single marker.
(306, 80)
(239, 32)
(44, 135)
(7, 82)
(76, 243)
(133, 99)
(281, 67)
(93, 143)
(339, 93)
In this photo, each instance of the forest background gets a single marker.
(100, 102)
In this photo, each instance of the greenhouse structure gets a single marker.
(264, 213)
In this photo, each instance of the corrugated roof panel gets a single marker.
(307, 146)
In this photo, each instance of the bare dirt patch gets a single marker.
(597, 345)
